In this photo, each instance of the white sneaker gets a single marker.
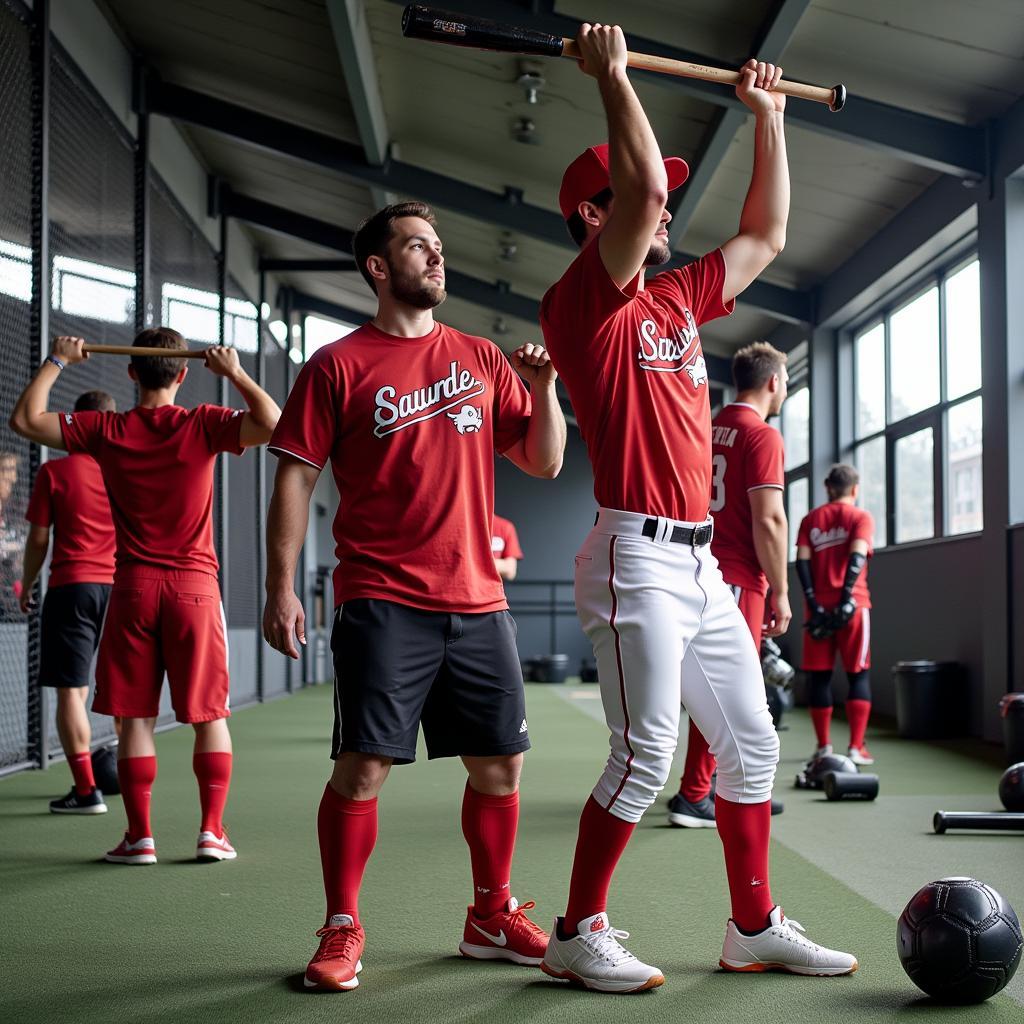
(213, 847)
(595, 959)
(782, 946)
(860, 755)
(142, 851)
(825, 748)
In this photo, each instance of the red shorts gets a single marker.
(853, 642)
(751, 604)
(163, 620)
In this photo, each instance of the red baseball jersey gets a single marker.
(632, 363)
(410, 426)
(746, 455)
(828, 531)
(158, 469)
(69, 496)
(504, 539)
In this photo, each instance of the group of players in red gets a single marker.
(409, 413)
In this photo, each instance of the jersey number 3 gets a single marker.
(718, 483)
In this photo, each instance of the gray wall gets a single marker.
(1016, 551)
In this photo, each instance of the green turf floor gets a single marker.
(84, 941)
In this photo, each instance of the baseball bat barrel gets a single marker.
(1003, 821)
(458, 29)
(133, 350)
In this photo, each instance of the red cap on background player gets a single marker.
(588, 174)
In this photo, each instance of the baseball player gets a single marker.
(164, 614)
(69, 496)
(834, 544)
(409, 412)
(505, 547)
(664, 624)
(751, 537)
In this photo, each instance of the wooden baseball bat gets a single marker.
(132, 350)
(483, 34)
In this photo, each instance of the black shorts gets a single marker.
(71, 624)
(458, 674)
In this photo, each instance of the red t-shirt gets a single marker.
(69, 496)
(504, 539)
(746, 455)
(158, 468)
(632, 363)
(828, 531)
(410, 426)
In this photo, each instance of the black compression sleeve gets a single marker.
(854, 567)
(803, 571)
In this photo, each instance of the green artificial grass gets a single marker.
(85, 941)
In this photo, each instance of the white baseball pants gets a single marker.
(665, 629)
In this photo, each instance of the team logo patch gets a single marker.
(468, 420)
(597, 924)
(675, 354)
(395, 412)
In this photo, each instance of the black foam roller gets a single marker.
(1002, 821)
(850, 786)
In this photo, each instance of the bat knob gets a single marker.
(838, 98)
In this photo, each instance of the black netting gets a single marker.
(18, 704)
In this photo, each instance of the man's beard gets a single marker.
(658, 254)
(413, 291)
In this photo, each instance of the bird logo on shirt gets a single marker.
(468, 420)
(698, 371)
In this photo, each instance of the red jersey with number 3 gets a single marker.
(69, 496)
(158, 469)
(746, 455)
(828, 531)
(632, 363)
(410, 427)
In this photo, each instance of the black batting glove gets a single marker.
(842, 614)
(819, 625)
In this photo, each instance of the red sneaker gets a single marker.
(210, 846)
(507, 935)
(336, 963)
(142, 851)
(860, 755)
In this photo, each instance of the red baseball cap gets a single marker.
(588, 174)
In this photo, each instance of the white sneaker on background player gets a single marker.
(596, 959)
(782, 946)
(825, 748)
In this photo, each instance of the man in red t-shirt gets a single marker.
(649, 592)
(505, 547)
(751, 537)
(833, 547)
(409, 413)
(69, 496)
(165, 614)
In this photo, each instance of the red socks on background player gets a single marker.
(489, 824)
(213, 773)
(700, 766)
(822, 719)
(857, 714)
(348, 832)
(136, 776)
(601, 842)
(81, 772)
(745, 829)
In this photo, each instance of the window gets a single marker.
(795, 425)
(196, 314)
(796, 428)
(89, 289)
(320, 332)
(16, 270)
(798, 504)
(917, 411)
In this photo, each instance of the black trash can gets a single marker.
(552, 668)
(1011, 708)
(931, 699)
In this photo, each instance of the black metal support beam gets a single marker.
(142, 232)
(223, 508)
(311, 266)
(261, 500)
(306, 303)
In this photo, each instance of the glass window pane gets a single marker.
(869, 355)
(869, 459)
(963, 467)
(915, 494)
(797, 506)
(914, 355)
(963, 332)
(796, 427)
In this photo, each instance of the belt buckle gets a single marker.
(702, 535)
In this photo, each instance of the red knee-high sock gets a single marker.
(822, 719)
(489, 824)
(136, 776)
(745, 830)
(700, 764)
(348, 832)
(601, 842)
(81, 772)
(213, 773)
(857, 714)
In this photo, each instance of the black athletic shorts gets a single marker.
(71, 624)
(396, 666)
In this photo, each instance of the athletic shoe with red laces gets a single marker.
(210, 846)
(142, 851)
(506, 935)
(336, 964)
(860, 755)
